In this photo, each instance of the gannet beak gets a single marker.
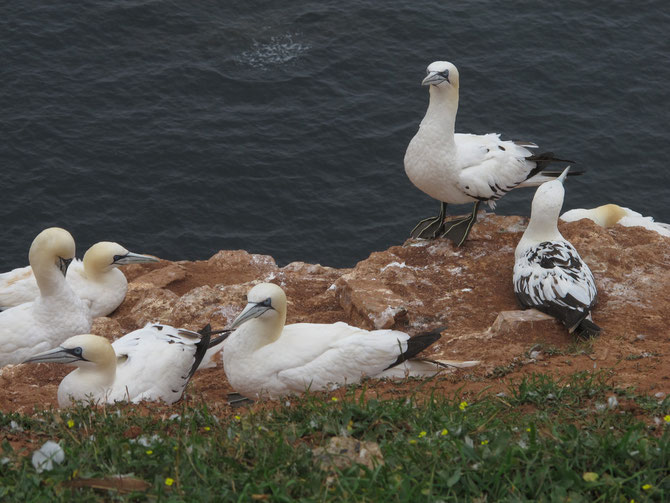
(63, 264)
(563, 175)
(253, 310)
(58, 355)
(435, 78)
(133, 258)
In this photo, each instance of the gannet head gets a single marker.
(547, 203)
(441, 74)
(52, 246)
(104, 256)
(267, 303)
(81, 351)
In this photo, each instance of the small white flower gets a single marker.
(45, 456)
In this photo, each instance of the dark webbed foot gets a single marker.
(459, 229)
(236, 400)
(430, 228)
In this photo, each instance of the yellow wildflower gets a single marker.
(169, 481)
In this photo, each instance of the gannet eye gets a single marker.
(118, 257)
(266, 303)
(77, 351)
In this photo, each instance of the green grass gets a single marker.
(535, 443)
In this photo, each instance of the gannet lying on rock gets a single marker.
(153, 363)
(464, 168)
(612, 214)
(263, 358)
(56, 314)
(95, 279)
(549, 274)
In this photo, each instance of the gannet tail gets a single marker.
(587, 329)
(417, 344)
(540, 173)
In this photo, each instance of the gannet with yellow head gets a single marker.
(154, 363)
(264, 358)
(56, 313)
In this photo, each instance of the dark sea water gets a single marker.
(179, 128)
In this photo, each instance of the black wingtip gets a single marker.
(201, 348)
(417, 344)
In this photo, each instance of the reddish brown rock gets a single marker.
(419, 286)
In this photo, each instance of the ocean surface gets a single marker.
(179, 128)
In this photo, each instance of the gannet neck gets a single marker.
(50, 253)
(544, 213)
(442, 110)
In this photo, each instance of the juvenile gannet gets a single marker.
(464, 168)
(56, 314)
(263, 358)
(609, 215)
(153, 363)
(95, 279)
(549, 274)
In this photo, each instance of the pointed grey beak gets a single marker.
(563, 175)
(63, 264)
(253, 310)
(133, 258)
(58, 355)
(435, 78)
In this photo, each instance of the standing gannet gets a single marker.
(464, 168)
(56, 314)
(609, 215)
(263, 358)
(95, 279)
(153, 363)
(549, 274)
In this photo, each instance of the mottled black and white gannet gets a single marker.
(549, 274)
(56, 314)
(95, 279)
(464, 168)
(609, 215)
(154, 363)
(264, 358)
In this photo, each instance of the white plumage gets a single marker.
(153, 363)
(265, 358)
(96, 279)
(612, 214)
(56, 314)
(464, 168)
(549, 274)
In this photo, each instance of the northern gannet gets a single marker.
(153, 363)
(549, 274)
(95, 279)
(609, 215)
(264, 358)
(464, 168)
(56, 314)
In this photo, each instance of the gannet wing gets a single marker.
(490, 167)
(155, 363)
(352, 354)
(553, 278)
(17, 286)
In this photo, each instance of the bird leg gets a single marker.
(430, 228)
(458, 230)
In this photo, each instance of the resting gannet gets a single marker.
(153, 363)
(95, 279)
(56, 314)
(263, 358)
(464, 168)
(549, 274)
(609, 215)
